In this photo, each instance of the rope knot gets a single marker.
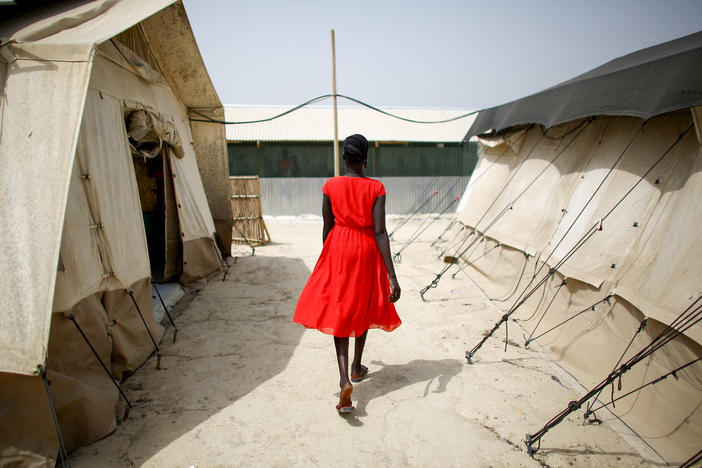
(574, 405)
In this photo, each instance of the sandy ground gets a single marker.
(245, 386)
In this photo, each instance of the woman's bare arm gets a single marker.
(328, 216)
(383, 242)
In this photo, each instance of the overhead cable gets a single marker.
(205, 118)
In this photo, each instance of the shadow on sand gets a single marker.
(392, 377)
(234, 335)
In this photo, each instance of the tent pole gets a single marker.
(156, 348)
(65, 462)
(336, 119)
(72, 318)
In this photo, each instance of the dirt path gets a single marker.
(244, 386)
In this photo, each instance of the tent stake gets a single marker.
(447, 229)
(687, 319)
(222, 263)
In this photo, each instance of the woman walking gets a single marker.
(353, 286)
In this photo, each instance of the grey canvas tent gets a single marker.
(104, 185)
(643, 84)
(591, 190)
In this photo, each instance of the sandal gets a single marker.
(345, 405)
(361, 376)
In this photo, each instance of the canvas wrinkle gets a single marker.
(119, 83)
(85, 397)
(200, 260)
(529, 223)
(33, 213)
(662, 267)
(131, 342)
(611, 246)
(91, 23)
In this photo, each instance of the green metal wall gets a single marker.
(313, 159)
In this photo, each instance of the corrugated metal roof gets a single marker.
(317, 124)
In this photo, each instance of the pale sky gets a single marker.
(436, 54)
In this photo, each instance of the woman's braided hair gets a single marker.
(356, 149)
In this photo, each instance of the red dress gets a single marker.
(348, 290)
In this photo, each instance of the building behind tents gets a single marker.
(294, 154)
(105, 185)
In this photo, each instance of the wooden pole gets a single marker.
(336, 120)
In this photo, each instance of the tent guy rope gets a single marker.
(642, 327)
(596, 227)
(462, 268)
(690, 317)
(398, 255)
(581, 128)
(408, 217)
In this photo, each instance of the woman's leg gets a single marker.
(342, 358)
(360, 343)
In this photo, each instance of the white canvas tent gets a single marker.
(83, 84)
(620, 146)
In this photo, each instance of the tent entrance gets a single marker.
(157, 196)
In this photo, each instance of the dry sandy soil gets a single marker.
(245, 386)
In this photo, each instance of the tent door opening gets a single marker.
(158, 204)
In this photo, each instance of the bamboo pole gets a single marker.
(336, 120)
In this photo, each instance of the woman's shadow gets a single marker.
(392, 377)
